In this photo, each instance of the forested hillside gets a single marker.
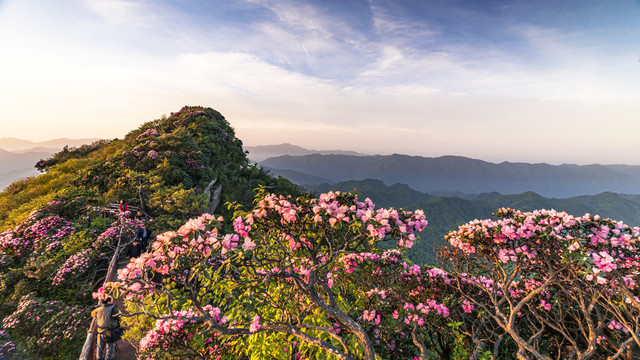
(56, 241)
(397, 195)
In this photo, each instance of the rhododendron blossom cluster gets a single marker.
(165, 330)
(269, 247)
(35, 234)
(79, 262)
(150, 132)
(74, 265)
(562, 271)
(47, 323)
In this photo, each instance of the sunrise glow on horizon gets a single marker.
(544, 81)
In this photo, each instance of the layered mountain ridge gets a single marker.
(461, 174)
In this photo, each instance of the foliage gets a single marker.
(47, 329)
(7, 347)
(558, 286)
(280, 273)
(304, 276)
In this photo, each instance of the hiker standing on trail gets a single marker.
(106, 316)
(140, 216)
(134, 250)
(143, 237)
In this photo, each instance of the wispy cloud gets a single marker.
(131, 13)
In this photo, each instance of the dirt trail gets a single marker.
(126, 351)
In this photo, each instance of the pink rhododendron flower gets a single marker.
(255, 324)
(248, 244)
(467, 306)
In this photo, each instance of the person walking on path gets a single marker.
(106, 315)
(134, 250)
(143, 237)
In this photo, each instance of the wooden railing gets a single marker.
(114, 210)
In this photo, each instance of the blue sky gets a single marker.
(531, 81)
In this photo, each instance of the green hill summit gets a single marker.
(171, 168)
(56, 239)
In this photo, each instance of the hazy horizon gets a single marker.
(344, 150)
(542, 82)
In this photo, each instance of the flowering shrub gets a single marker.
(35, 235)
(76, 264)
(47, 327)
(11, 244)
(172, 333)
(7, 347)
(551, 282)
(79, 262)
(137, 151)
(110, 236)
(150, 132)
(152, 154)
(280, 266)
(190, 160)
(407, 307)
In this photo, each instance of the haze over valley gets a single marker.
(18, 156)
(451, 189)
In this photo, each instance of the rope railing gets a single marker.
(89, 344)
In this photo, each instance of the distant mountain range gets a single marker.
(15, 166)
(446, 213)
(262, 152)
(48, 146)
(18, 156)
(453, 190)
(459, 174)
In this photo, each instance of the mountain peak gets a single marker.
(260, 153)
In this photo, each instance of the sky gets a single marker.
(521, 81)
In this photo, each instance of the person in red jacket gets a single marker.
(123, 206)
